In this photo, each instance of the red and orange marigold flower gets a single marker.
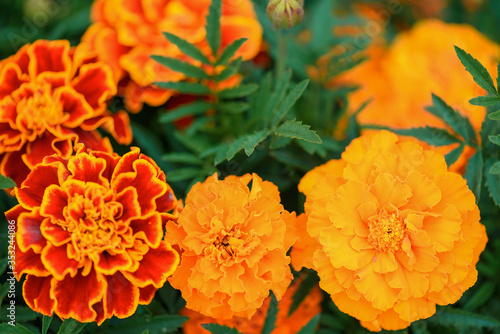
(397, 232)
(126, 33)
(285, 323)
(233, 241)
(90, 234)
(52, 97)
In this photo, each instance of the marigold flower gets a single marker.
(233, 241)
(52, 97)
(284, 324)
(398, 233)
(126, 33)
(89, 234)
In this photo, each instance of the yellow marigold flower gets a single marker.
(285, 324)
(398, 233)
(233, 241)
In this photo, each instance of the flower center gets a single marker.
(387, 231)
(227, 243)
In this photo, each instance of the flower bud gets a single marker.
(285, 14)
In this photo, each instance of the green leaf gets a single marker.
(240, 91)
(311, 326)
(279, 142)
(24, 314)
(233, 107)
(230, 50)
(213, 26)
(156, 324)
(6, 182)
(494, 116)
(454, 119)
(420, 327)
(195, 108)
(277, 95)
(253, 140)
(17, 329)
(182, 174)
(493, 182)
(485, 101)
(269, 324)
(3, 265)
(230, 70)
(177, 65)
(474, 174)
(235, 147)
(495, 139)
(459, 319)
(182, 157)
(187, 48)
(219, 329)
(432, 136)
(296, 130)
(289, 102)
(479, 73)
(301, 162)
(185, 87)
(481, 296)
(221, 154)
(498, 76)
(146, 331)
(46, 324)
(453, 156)
(303, 291)
(331, 322)
(71, 326)
(495, 168)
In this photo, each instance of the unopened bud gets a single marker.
(285, 14)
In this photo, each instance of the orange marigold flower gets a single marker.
(398, 233)
(52, 97)
(233, 241)
(126, 33)
(89, 234)
(285, 324)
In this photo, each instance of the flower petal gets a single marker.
(37, 294)
(121, 296)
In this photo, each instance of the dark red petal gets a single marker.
(111, 161)
(87, 168)
(118, 125)
(76, 296)
(10, 79)
(54, 233)
(37, 150)
(167, 201)
(13, 214)
(94, 141)
(122, 297)
(148, 229)
(51, 56)
(31, 192)
(36, 293)
(131, 206)
(56, 261)
(13, 166)
(29, 235)
(54, 201)
(29, 263)
(155, 267)
(109, 264)
(75, 105)
(124, 165)
(146, 294)
(96, 84)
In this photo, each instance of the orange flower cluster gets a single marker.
(397, 232)
(285, 324)
(89, 234)
(126, 33)
(52, 97)
(233, 240)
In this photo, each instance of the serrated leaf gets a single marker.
(494, 116)
(156, 324)
(233, 107)
(279, 142)
(432, 136)
(495, 139)
(454, 119)
(459, 319)
(277, 95)
(195, 108)
(240, 91)
(495, 168)
(17, 329)
(310, 327)
(6, 182)
(185, 87)
(313, 148)
(230, 70)
(46, 323)
(453, 156)
(420, 327)
(235, 147)
(296, 130)
(187, 48)
(303, 291)
(219, 329)
(182, 174)
(185, 68)
(481, 296)
(221, 154)
(477, 70)
(290, 99)
(493, 183)
(485, 101)
(182, 157)
(474, 174)
(213, 26)
(272, 312)
(71, 326)
(230, 51)
(253, 140)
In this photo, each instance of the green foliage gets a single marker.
(71, 326)
(272, 312)
(17, 329)
(303, 291)
(46, 321)
(219, 329)
(6, 182)
(478, 72)
(457, 318)
(155, 324)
